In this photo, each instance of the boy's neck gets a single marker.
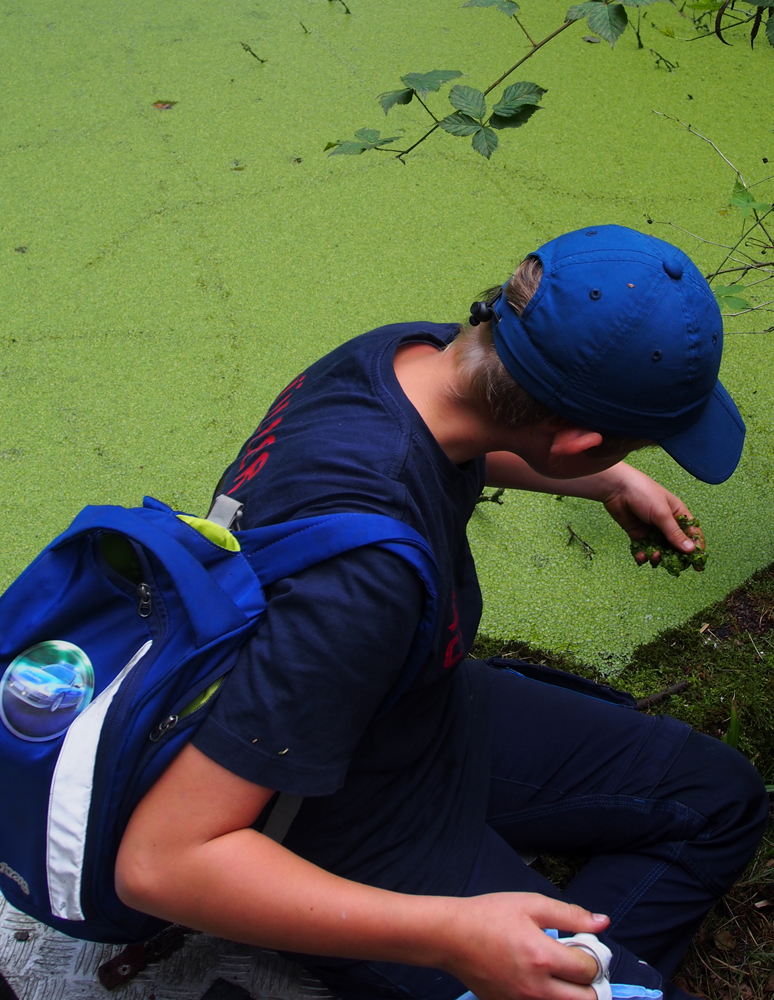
(431, 380)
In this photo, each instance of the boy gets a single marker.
(401, 876)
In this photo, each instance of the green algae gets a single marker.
(182, 264)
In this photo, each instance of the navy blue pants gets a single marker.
(669, 818)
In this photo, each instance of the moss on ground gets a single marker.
(726, 654)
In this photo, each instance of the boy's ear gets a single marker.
(570, 440)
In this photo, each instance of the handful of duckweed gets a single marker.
(673, 561)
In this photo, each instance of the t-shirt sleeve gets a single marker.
(331, 645)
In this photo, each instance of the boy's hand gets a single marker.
(500, 951)
(636, 502)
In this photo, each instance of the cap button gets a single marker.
(673, 268)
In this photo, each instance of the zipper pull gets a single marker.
(163, 727)
(143, 600)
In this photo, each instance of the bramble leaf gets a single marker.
(392, 97)
(468, 100)
(368, 135)
(485, 142)
(770, 30)
(745, 201)
(330, 145)
(506, 6)
(609, 21)
(581, 10)
(727, 297)
(366, 138)
(423, 83)
(516, 120)
(516, 96)
(459, 124)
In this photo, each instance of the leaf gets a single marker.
(506, 6)
(770, 30)
(468, 100)
(516, 96)
(727, 297)
(521, 117)
(609, 21)
(330, 145)
(367, 138)
(581, 10)
(459, 124)
(732, 739)
(368, 135)
(485, 142)
(423, 83)
(392, 97)
(745, 201)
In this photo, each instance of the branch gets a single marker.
(507, 73)
(694, 131)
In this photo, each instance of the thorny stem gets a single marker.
(529, 55)
(507, 73)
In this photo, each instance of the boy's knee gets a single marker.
(722, 785)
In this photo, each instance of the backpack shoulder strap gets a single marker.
(284, 549)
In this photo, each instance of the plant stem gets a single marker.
(531, 42)
(425, 106)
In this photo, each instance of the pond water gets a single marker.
(167, 270)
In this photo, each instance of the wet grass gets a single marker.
(726, 655)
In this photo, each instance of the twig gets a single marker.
(492, 498)
(657, 222)
(575, 537)
(694, 131)
(247, 48)
(654, 699)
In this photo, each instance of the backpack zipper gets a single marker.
(193, 706)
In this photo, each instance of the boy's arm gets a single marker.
(631, 498)
(189, 855)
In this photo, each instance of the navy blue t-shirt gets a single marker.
(394, 799)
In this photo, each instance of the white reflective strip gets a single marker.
(70, 799)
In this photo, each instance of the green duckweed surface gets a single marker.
(164, 272)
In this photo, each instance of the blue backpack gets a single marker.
(113, 644)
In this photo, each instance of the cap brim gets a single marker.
(711, 448)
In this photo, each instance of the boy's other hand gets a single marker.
(637, 502)
(500, 951)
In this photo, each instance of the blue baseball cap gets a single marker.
(624, 336)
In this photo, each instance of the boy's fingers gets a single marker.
(549, 912)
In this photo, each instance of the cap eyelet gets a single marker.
(595, 294)
(656, 356)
